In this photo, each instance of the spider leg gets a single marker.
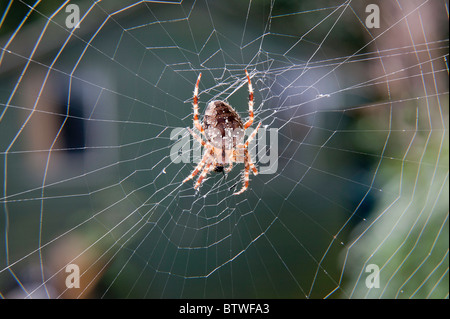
(250, 163)
(195, 171)
(246, 178)
(250, 138)
(250, 102)
(195, 104)
(198, 138)
(198, 168)
(203, 175)
(229, 167)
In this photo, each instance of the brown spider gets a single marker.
(223, 130)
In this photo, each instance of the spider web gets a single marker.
(87, 117)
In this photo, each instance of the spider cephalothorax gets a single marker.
(223, 130)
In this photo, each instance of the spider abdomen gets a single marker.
(222, 116)
(221, 121)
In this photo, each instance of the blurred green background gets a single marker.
(85, 122)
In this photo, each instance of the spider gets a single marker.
(222, 149)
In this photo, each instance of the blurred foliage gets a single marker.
(409, 236)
